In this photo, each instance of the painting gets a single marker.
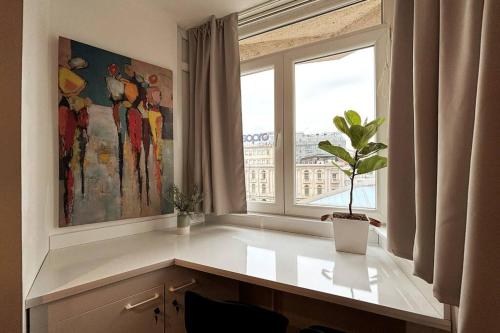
(115, 136)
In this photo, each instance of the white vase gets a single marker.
(183, 224)
(350, 235)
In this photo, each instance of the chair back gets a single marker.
(207, 315)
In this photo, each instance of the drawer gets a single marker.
(134, 314)
(44, 318)
(179, 280)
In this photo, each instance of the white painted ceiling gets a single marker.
(190, 13)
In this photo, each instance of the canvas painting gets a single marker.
(115, 136)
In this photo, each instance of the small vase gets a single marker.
(183, 224)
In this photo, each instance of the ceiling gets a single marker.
(190, 13)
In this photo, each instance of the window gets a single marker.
(292, 97)
(258, 126)
(319, 190)
(253, 188)
(325, 87)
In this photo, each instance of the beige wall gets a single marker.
(127, 27)
(10, 169)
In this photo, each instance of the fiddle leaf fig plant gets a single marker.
(365, 158)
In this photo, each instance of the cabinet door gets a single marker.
(123, 316)
(180, 280)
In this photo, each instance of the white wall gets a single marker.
(38, 128)
(126, 27)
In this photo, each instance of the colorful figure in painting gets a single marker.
(141, 101)
(73, 123)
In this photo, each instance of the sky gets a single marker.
(323, 90)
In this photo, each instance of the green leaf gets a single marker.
(347, 172)
(352, 117)
(336, 151)
(357, 135)
(376, 121)
(371, 164)
(372, 148)
(341, 124)
(370, 131)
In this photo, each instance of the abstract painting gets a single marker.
(115, 136)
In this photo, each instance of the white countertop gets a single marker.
(299, 264)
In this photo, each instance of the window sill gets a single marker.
(286, 223)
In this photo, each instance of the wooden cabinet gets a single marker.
(141, 313)
(111, 308)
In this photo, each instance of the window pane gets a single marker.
(257, 93)
(335, 23)
(326, 87)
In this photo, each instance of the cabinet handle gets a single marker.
(130, 307)
(173, 289)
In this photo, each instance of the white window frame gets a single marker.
(254, 66)
(283, 64)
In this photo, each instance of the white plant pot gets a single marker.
(350, 235)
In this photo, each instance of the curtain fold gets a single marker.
(214, 158)
(444, 182)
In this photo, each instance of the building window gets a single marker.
(334, 176)
(263, 188)
(263, 175)
(306, 175)
(253, 187)
(319, 175)
(319, 190)
(306, 190)
(253, 174)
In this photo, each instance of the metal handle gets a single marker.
(173, 289)
(325, 272)
(130, 307)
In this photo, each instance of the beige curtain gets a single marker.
(444, 152)
(214, 159)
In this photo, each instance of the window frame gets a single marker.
(283, 63)
(257, 65)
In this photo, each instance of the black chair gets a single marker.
(203, 315)
(320, 329)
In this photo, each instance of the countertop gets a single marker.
(299, 264)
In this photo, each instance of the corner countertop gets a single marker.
(299, 264)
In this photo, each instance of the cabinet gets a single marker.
(152, 302)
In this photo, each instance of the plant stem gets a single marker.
(352, 181)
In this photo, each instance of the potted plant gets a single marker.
(185, 204)
(350, 230)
